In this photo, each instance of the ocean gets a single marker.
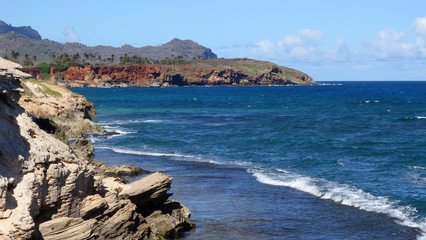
(340, 160)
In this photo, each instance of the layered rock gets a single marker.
(70, 112)
(46, 192)
(212, 72)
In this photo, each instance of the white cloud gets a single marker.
(390, 44)
(70, 35)
(304, 46)
(420, 29)
(387, 48)
(420, 26)
(308, 33)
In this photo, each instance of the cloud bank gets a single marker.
(306, 46)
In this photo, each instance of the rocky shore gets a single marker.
(49, 192)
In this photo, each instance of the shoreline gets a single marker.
(207, 207)
(203, 173)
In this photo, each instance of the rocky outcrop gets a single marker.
(214, 72)
(70, 112)
(46, 192)
(125, 170)
(140, 210)
(10, 70)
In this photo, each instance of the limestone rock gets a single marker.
(46, 192)
(116, 171)
(70, 111)
(149, 190)
(11, 70)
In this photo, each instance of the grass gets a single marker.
(45, 88)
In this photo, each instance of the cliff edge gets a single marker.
(198, 72)
(46, 192)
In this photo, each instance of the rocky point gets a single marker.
(47, 192)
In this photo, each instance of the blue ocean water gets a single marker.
(342, 160)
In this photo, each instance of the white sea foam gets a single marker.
(331, 84)
(179, 157)
(420, 117)
(416, 167)
(121, 131)
(120, 121)
(152, 121)
(343, 194)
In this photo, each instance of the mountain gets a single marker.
(26, 31)
(26, 40)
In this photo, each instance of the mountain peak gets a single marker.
(24, 30)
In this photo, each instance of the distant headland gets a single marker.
(176, 63)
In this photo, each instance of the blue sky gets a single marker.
(329, 40)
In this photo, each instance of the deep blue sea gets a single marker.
(342, 160)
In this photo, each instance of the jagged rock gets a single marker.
(41, 171)
(9, 69)
(71, 112)
(83, 148)
(46, 192)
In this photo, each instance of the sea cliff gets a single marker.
(200, 72)
(47, 192)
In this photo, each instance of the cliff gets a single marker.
(46, 192)
(211, 72)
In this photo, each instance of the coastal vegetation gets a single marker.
(46, 89)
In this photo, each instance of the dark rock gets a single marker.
(83, 148)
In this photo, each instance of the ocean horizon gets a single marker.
(339, 160)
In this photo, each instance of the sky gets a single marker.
(329, 40)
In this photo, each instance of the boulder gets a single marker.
(83, 148)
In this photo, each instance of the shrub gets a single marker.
(45, 68)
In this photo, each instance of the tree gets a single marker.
(27, 61)
(15, 56)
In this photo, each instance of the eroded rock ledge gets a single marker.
(46, 192)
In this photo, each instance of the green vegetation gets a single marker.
(126, 60)
(45, 88)
(44, 67)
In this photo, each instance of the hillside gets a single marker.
(25, 40)
(200, 72)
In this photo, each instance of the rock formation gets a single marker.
(212, 72)
(70, 112)
(46, 192)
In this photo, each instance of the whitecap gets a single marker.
(344, 194)
(416, 167)
(152, 121)
(420, 117)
